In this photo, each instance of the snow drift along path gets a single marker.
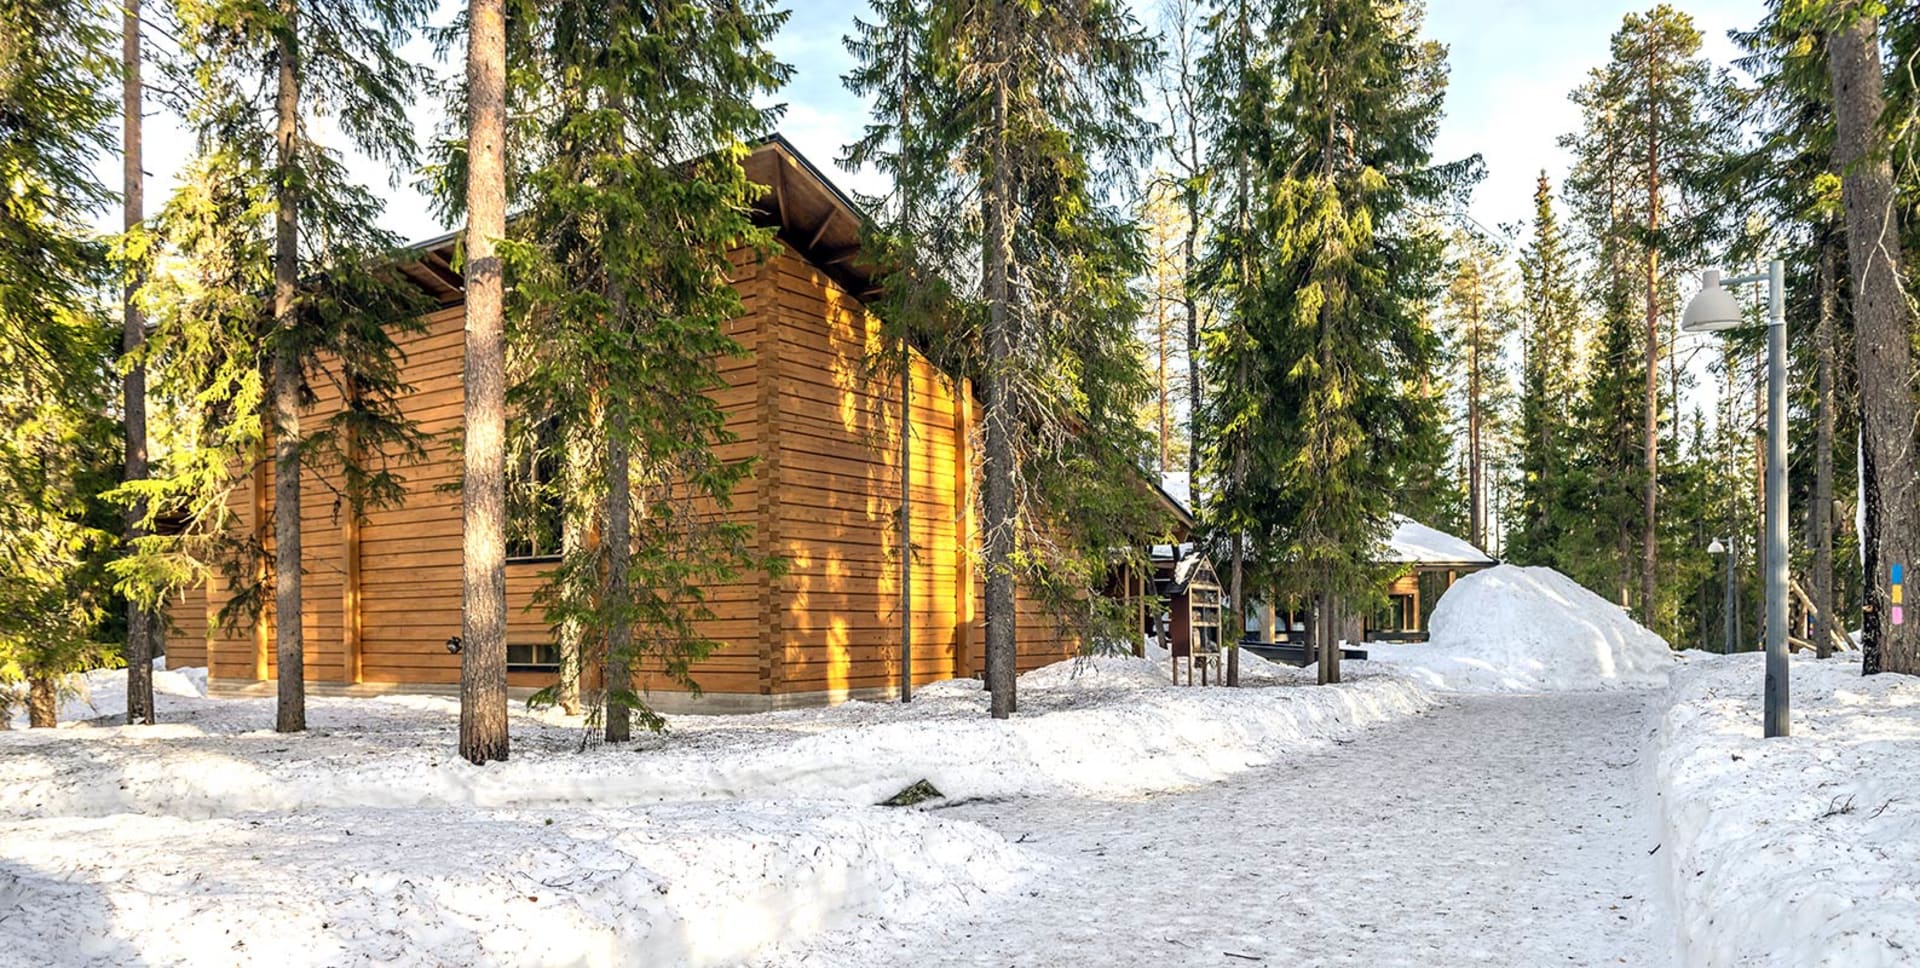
(1496, 830)
(366, 841)
(1514, 629)
(1793, 852)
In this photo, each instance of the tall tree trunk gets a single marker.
(483, 492)
(43, 702)
(1002, 643)
(619, 540)
(1650, 495)
(1883, 322)
(1476, 473)
(141, 622)
(1165, 394)
(575, 524)
(1872, 619)
(289, 641)
(906, 522)
(1823, 445)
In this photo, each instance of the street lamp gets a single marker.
(1713, 310)
(1727, 615)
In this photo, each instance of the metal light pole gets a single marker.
(1726, 605)
(1714, 309)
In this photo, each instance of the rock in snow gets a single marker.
(1514, 629)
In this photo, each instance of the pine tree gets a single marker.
(143, 624)
(1883, 318)
(1647, 118)
(1482, 320)
(1336, 343)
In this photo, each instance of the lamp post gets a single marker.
(1726, 607)
(1712, 310)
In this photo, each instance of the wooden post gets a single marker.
(350, 620)
(964, 526)
(1419, 617)
(262, 631)
(351, 628)
(1267, 619)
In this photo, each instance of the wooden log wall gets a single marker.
(383, 596)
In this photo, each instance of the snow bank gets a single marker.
(1793, 852)
(668, 885)
(1514, 629)
(1103, 727)
(102, 693)
(366, 841)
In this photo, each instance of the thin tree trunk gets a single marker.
(574, 526)
(1650, 495)
(289, 640)
(43, 702)
(1883, 322)
(906, 522)
(619, 539)
(1002, 643)
(1823, 447)
(1872, 620)
(483, 492)
(1476, 473)
(141, 623)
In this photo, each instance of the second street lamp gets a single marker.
(1712, 310)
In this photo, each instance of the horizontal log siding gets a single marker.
(839, 449)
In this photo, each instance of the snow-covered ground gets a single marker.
(210, 839)
(1494, 831)
(1802, 851)
(1514, 629)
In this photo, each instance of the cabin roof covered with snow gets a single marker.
(1416, 544)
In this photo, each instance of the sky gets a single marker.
(1513, 63)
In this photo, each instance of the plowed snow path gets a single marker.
(1497, 830)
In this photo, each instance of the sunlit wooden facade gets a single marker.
(383, 596)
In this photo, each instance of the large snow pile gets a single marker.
(1792, 852)
(367, 841)
(1514, 629)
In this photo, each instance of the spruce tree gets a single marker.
(1481, 320)
(1336, 341)
(1550, 329)
(54, 69)
(619, 314)
(327, 270)
(1034, 111)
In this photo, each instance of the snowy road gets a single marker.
(1496, 830)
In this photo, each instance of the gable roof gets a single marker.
(806, 210)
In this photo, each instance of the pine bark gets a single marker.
(906, 522)
(619, 518)
(1476, 471)
(1650, 493)
(483, 493)
(574, 526)
(1822, 578)
(43, 702)
(141, 622)
(289, 641)
(1883, 322)
(996, 205)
